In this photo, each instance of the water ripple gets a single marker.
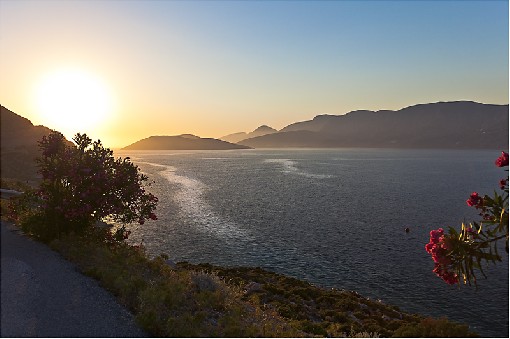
(191, 201)
(289, 166)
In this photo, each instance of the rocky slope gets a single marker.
(19, 146)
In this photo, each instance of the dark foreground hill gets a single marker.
(19, 146)
(182, 142)
(452, 125)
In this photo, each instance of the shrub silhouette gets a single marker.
(80, 186)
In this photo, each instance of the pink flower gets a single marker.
(428, 247)
(475, 200)
(502, 184)
(435, 235)
(439, 248)
(445, 274)
(439, 255)
(502, 160)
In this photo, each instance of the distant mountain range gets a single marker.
(19, 145)
(260, 131)
(182, 142)
(452, 125)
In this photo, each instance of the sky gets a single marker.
(121, 71)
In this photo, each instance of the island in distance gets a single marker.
(182, 142)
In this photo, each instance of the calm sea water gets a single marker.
(335, 218)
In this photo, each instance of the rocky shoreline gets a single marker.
(328, 312)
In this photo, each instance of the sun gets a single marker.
(73, 100)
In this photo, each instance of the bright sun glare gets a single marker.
(73, 100)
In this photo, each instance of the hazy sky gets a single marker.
(214, 68)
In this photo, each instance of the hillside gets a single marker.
(260, 131)
(182, 142)
(452, 125)
(19, 146)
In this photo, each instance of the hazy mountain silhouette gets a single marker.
(182, 142)
(460, 124)
(19, 145)
(260, 131)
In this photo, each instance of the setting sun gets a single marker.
(72, 100)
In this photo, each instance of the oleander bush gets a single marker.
(457, 255)
(81, 185)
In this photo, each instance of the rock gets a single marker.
(172, 264)
(252, 288)
(102, 224)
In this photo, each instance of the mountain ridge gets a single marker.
(259, 131)
(19, 145)
(452, 125)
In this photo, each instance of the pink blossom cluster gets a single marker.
(475, 200)
(503, 183)
(439, 247)
(502, 161)
(478, 202)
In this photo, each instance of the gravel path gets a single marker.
(43, 295)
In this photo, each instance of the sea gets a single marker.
(333, 217)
